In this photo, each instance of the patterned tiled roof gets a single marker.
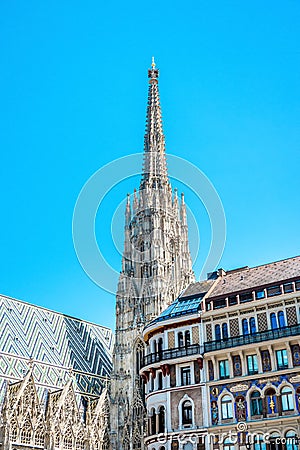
(250, 278)
(53, 343)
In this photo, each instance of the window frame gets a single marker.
(256, 399)
(185, 376)
(187, 413)
(226, 407)
(287, 399)
(224, 367)
(283, 357)
(254, 362)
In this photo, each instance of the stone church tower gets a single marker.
(156, 267)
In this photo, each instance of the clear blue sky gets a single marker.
(73, 96)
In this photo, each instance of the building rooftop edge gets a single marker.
(53, 311)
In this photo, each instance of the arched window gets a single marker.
(291, 440)
(160, 348)
(56, 437)
(287, 399)
(188, 446)
(161, 419)
(187, 413)
(259, 442)
(271, 401)
(68, 439)
(274, 325)
(252, 325)
(154, 346)
(256, 404)
(225, 331)
(226, 407)
(217, 333)
(281, 319)
(26, 432)
(79, 445)
(139, 355)
(13, 432)
(159, 380)
(152, 422)
(39, 435)
(275, 442)
(187, 338)
(245, 327)
(180, 339)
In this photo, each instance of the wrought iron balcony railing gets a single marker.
(261, 336)
(172, 353)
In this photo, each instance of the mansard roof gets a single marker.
(253, 277)
(222, 283)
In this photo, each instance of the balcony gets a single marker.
(172, 353)
(262, 336)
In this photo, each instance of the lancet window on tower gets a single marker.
(139, 355)
(26, 432)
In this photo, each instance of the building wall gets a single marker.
(248, 391)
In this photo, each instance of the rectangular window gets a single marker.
(226, 408)
(282, 359)
(246, 297)
(273, 290)
(220, 303)
(232, 300)
(288, 287)
(297, 285)
(260, 294)
(224, 369)
(287, 401)
(252, 364)
(185, 376)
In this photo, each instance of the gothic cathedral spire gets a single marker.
(155, 166)
(156, 267)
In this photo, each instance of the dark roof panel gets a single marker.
(189, 302)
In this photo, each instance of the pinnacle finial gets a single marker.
(153, 72)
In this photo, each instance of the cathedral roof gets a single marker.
(53, 343)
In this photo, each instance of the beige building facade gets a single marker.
(236, 381)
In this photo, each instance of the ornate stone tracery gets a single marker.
(156, 267)
(59, 425)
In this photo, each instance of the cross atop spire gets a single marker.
(155, 166)
(153, 72)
